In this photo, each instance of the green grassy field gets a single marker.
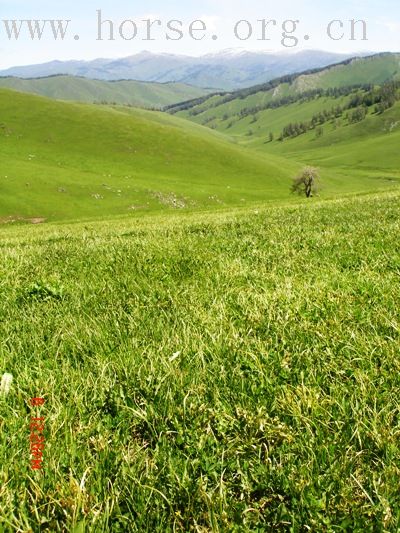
(64, 161)
(68, 161)
(205, 372)
(136, 93)
(215, 353)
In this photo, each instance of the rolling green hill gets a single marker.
(258, 118)
(375, 69)
(125, 92)
(64, 160)
(369, 147)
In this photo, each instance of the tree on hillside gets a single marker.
(305, 184)
(358, 115)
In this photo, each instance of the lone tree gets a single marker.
(306, 182)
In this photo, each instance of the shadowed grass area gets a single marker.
(230, 372)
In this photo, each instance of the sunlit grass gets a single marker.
(231, 372)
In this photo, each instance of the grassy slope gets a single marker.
(375, 69)
(61, 160)
(226, 372)
(347, 153)
(358, 155)
(369, 147)
(66, 161)
(136, 93)
(367, 150)
(274, 120)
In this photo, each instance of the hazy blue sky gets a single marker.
(382, 18)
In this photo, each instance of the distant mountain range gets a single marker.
(228, 70)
